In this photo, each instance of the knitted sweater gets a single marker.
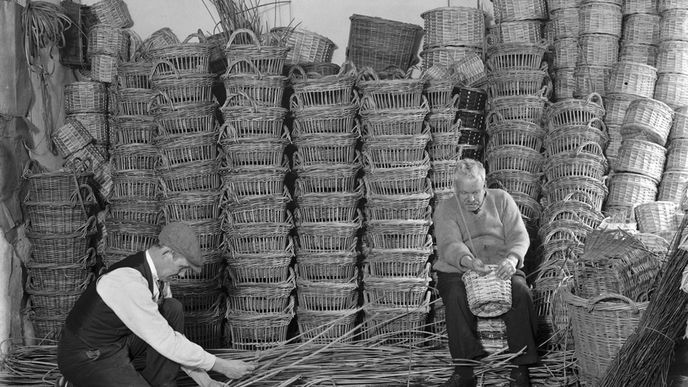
(496, 231)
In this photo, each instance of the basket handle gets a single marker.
(346, 69)
(603, 127)
(160, 95)
(567, 231)
(198, 35)
(239, 31)
(240, 94)
(595, 98)
(294, 102)
(135, 43)
(585, 195)
(584, 145)
(494, 117)
(233, 63)
(367, 104)
(367, 74)
(169, 64)
(292, 72)
(564, 211)
(612, 296)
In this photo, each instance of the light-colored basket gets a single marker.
(509, 83)
(642, 157)
(598, 50)
(263, 90)
(393, 93)
(112, 12)
(672, 89)
(554, 5)
(590, 79)
(521, 31)
(397, 181)
(488, 296)
(565, 53)
(108, 40)
(327, 236)
(677, 155)
(630, 7)
(564, 23)
(184, 58)
(564, 83)
(326, 266)
(516, 181)
(648, 118)
(656, 217)
(575, 111)
(396, 151)
(447, 56)
(673, 26)
(641, 28)
(327, 178)
(306, 46)
(515, 158)
(616, 106)
(453, 26)
(525, 108)
(521, 133)
(85, 97)
(398, 207)
(397, 234)
(560, 189)
(314, 90)
(582, 165)
(673, 186)
(672, 57)
(679, 128)
(600, 18)
(396, 292)
(71, 137)
(641, 53)
(631, 189)
(665, 5)
(265, 59)
(328, 207)
(633, 78)
(515, 56)
(254, 181)
(510, 10)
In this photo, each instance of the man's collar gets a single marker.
(154, 273)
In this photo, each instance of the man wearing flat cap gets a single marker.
(125, 313)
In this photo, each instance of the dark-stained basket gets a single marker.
(327, 236)
(334, 148)
(59, 249)
(192, 206)
(61, 277)
(55, 186)
(257, 152)
(176, 150)
(133, 210)
(328, 207)
(135, 185)
(201, 175)
(327, 295)
(398, 207)
(135, 157)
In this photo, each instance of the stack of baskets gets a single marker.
(454, 39)
(86, 106)
(327, 193)
(60, 208)
(672, 65)
(611, 283)
(398, 213)
(640, 36)
(256, 223)
(564, 24)
(186, 142)
(380, 43)
(675, 177)
(518, 21)
(108, 45)
(573, 195)
(306, 48)
(598, 41)
(517, 89)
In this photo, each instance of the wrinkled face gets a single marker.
(177, 266)
(470, 191)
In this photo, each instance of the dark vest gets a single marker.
(92, 320)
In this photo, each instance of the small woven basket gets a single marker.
(673, 186)
(641, 53)
(631, 189)
(135, 102)
(306, 46)
(328, 207)
(642, 157)
(316, 90)
(132, 210)
(677, 155)
(397, 181)
(327, 236)
(488, 296)
(332, 149)
(515, 158)
(394, 93)
(598, 50)
(327, 267)
(187, 119)
(254, 181)
(258, 152)
(134, 75)
(176, 150)
(112, 12)
(253, 121)
(673, 25)
(266, 59)
(108, 40)
(672, 89)
(404, 292)
(185, 58)
(672, 57)
(394, 122)
(600, 18)
(590, 79)
(648, 118)
(641, 29)
(135, 185)
(656, 217)
(525, 108)
(509, 83)
(515, 56)
(453, 26)
(85, 97)
(182, 89)
(616, 106)
(398, 263)
(263, 90)
(326, 178)
(633, 78)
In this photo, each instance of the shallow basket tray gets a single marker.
(191, 206)
(135, 185)
(395, 151)
(267, 269)
(258, 238)
(253, 181)
(187, 119)
(396, 181)
(334, 148)
(319, 120)
(255, 209)
(394, 121)
(327, 326)
(325, 178)
(258, 331)
(398, 263)
(399, 207)
(269, 59)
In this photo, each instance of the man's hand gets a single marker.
(474, 264)
(233, 369)
(506, 268)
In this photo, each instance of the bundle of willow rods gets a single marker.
(645, 357)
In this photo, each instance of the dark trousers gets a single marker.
(111, 366)
(462, 325)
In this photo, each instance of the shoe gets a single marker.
(520, 377)
(457, 380)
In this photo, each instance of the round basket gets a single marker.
(328, 236)
(631, 189)
(393, 122)
(324, 120)
(132, 210)
(673, 26)
(182, 90)
(576, 165)
(641, 29)
(272, 269)
(108, 40)
(85, 97)
(616, 105)
(397, 181)
(187, 119)
(61, 278)
(326, 178)
(642, 157)
(134, 75)
(598, 50)
(672, 57)
(575, 111)
(565, 55)
(177, 150)
(305, 46)
(630, 7)
(254, 152)
(641, 53)
(525, 108)
(398, 207)
(328, 207)
(134, 157)
(396, 151)
(679, 128)
(131, 237)
(516, 181)
(656, 217)
(672, 89)
(56, 186)
(633, 78)
(564, 83)
(327, 267)
(515, 158)
(135, 102)
(509, 83)
(521, 133)
(314, 90)
(448, 55)
(564, 23)
(673, 186)
(196, 176)
(560, 189)
(488, 296)
(240, 183)
(520, 31)
(254, 57)
(398, 263)
(192, 206)
(591, 79)
(185, 58)
(256, 209)
(104, 68)
(71, 137)
(112, 12)
(649, 118)
(397, 234)
(453, 26)
(665, 5)
(96, 124)
(677, 155)
(394, 93)
(600, 18)
(438, 93)
(321, 296)
(59, 249)
(509, 10)
(254, 121)
(262, 90)
(395, 292)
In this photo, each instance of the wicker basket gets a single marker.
(520, 133)
(564, 23)
(633, 78)
(525, 108)
(256, 209)
(511, 83)
(401, 292)
(328, 207)
(180, 89)
(192, 206)
(258, 238)
(85, 97)
(516, 181)
(444, 146)
(305, 46)
(256, 152)
(515, 158)
(396, 151)
(565, 54)
(672, 57)
(135, 157)
(665, 5)
(600, 18)
(641, 29)
(600, 328)
(254, 121)
(380, 43)
(590, 79)
(397, 234)
(574, 210)
(108, 40)
(263, 90)
(62, 217)
(134, 75)
(253, 57)
(185, 58)
(598, 50)
(320, 68)
(677, 155)
(96, 124)
(673, 26)
(560, 189)
(327, 266)
(394, 122)
(673, 186)
(398, 207)
(642, 157)
(135, 185)
(202, 175)
(648, 118)
(403, 327)
(104, 68)
(672, 89)
(397, 181)
(438, 93)
(679, 128)
(258, 331)
(131, 237)
(56, 186)
(631, 189)
(187, 119)
(616, 105)
(323, 327)
(468, 70)
(449, 56)
(515, 56)
(394, 93)
(576, 165)
(575, 111)
(510, 10)
(520, 31)
(326, 178)
(488, 296)
(454, 26)
(641, 53)
(554, 5)
(112, 12)
(317, 149)
(321, 296)
(268, 269)
(177, 150)
(657, 217)
(71, 137)
(240, 183)
(564, 83)
(314, 90)
(328, 236)
(49, 304)
(630, 7)
(132, 210)
(61, 278)
(324, 120)
(135, 102)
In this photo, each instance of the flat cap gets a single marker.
(181, 238)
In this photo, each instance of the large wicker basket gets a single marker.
(454, 26)
(267, 59)
(306, 46)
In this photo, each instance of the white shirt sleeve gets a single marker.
(126, 292)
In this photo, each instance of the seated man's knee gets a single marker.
(519, 289)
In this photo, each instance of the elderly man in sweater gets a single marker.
(476, 227)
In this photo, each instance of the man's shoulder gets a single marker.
(498, 194)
